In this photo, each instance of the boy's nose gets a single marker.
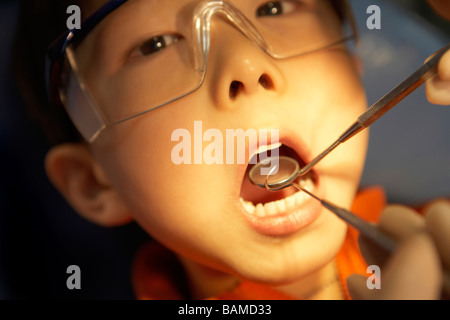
(238, 68)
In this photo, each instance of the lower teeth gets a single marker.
(279, 206)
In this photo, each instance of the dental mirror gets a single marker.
(276, 173)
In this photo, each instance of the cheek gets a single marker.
(178, 205)
(332, 98)
(139, 156)
(327, 84)
(329, 96)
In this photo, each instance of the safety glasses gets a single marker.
(169, 61)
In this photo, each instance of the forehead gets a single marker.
(155, 15)
(91, 6)
(161, 13)
(157, 11)
(156, 6)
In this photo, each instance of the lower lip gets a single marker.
(289, 222)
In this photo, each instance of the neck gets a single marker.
(323, 284)
(206, 282)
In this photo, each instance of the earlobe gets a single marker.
(73, 171)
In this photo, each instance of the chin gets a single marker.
(290, 258)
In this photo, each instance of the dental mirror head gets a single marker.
(274, 173)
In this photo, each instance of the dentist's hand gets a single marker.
(438, 88)
(420, 266)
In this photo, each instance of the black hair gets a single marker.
(39, 23)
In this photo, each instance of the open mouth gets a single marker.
(283, 211)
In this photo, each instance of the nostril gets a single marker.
(266, 82)
(235, 87)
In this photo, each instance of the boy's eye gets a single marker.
(276, 8)
(155, 44)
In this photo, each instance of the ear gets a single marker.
(73, 171)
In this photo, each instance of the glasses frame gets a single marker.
(60, 51)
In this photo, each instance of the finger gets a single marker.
(357, 287)
(413, 272)
(438, 91)
(372, 253)
(437, 217)
(438, 88)
(396, 220)
(401, 221)
(444, 67)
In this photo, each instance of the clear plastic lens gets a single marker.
(79, 103)
(166, 71)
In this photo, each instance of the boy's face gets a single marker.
(196, 209)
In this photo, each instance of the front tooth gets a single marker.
(302, 181)
(290, 202)
(309, 185)
(300, 197)
(281, 205)
(259, 210)
(270, 208)
(306, 182)
(264, 148)
(249, 207)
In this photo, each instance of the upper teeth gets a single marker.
(264, 148)
(280, 206)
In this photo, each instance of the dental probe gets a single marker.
(415, 80)
(369, 231)
(284, 177)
